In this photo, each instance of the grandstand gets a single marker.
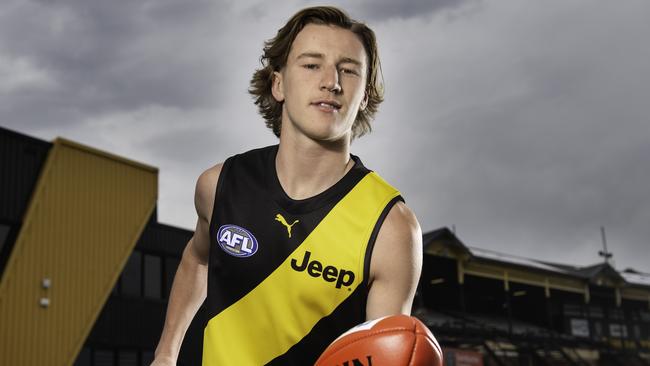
(508, 310)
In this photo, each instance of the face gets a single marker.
(322, 86)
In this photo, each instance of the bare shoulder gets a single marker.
(204, 196)
(398, 243)
(206, 187)
(401, 221)
(395, 264)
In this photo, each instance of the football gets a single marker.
(397, 340)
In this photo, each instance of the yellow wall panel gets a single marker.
(635, 293)
(84, 218)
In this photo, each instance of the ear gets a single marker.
(364, 102)
(277, 87)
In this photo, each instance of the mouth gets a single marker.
(327, 105)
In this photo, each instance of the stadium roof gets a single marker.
(589, 273)
(636, 278)
(511, 259)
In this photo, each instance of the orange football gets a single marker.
(398, 340)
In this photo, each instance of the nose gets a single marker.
(330, 80)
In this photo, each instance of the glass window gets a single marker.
(127, 358)
(103, 357)
(171, 265)
(132, 275)
(83, 359)
(152, 276)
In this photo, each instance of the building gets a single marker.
(86, 268)
(520, 311)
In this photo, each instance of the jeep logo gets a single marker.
(329, 273)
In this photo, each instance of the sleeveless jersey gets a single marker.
(286, 277)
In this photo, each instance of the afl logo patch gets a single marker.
(236, 241)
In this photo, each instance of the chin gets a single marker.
(323, 129)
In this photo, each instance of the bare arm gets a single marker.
(190, 282)
(395, 265)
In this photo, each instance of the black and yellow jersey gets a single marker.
(286, 277)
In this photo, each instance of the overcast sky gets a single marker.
(524, 124)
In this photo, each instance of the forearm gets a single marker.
(187, 295)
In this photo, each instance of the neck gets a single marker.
(307, 168)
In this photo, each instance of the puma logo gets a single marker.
(284, 222)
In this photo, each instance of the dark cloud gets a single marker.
(525, 125)
(105, 56)
(530, 135)
(371, 10)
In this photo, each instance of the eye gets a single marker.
(310, 66)
(349, 71)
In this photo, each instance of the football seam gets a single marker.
(334, 350)
(415, 342)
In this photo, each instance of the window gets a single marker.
(152, 276)
(127, 358)
(103, 358)
(132, 275)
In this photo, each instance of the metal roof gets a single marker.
(511, 259)
(629, 276)
(636, 278)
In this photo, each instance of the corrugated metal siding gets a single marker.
(86, 215)
(21, 160)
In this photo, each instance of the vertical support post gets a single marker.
(547, 288)
(547, 299)
(461, 284)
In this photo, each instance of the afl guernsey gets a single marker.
(286, 277)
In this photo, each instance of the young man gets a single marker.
(298, 242)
